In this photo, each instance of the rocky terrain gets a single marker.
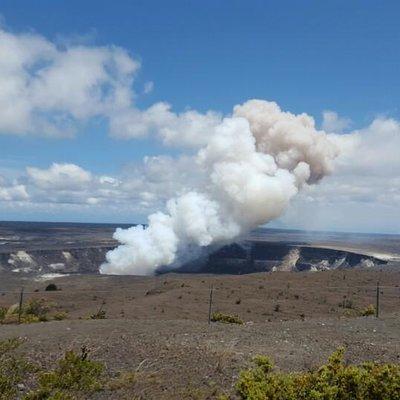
(157, 327)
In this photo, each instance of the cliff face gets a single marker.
(81, 260)
(251, 257)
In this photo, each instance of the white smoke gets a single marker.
(251, 165)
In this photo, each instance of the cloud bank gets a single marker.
(54, 90)
(364, 192)
(51, 90)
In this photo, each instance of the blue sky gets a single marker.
(308, 56)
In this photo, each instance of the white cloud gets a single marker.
(67, 184)
(60, 177)
(375, 149)
(148, 87)
(189, 128)
(48, 89)
(12, 191)
(109, 180)
(71, 184)
(333, 123)
(364, 191)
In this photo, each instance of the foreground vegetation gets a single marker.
(333, 381)
(75, 376)
(34, 310)
(226, 318)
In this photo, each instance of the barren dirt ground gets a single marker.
(158, 326)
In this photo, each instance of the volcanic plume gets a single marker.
(248, 166)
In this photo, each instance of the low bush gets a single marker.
(36, 308)
(75, 373)
(333, 381)
(101, 314)
(226, 318)
(370, 310)
(3, 313)
(51, 287)
(347, 303)
(60, 315)
(13, 369)
(33, 310)
(74, 377)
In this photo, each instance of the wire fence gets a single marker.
(179, 300)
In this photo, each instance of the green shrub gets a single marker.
(226, 318)
(51, 287)
(37, 308)
(3, 313)
(74, 378)
(370, 310)
(13, 369)
(60, 315)
(33, 310)
(74, 374)
(333, 381)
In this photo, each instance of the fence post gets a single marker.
(21, 298)
(377, 300)
(210, 305)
